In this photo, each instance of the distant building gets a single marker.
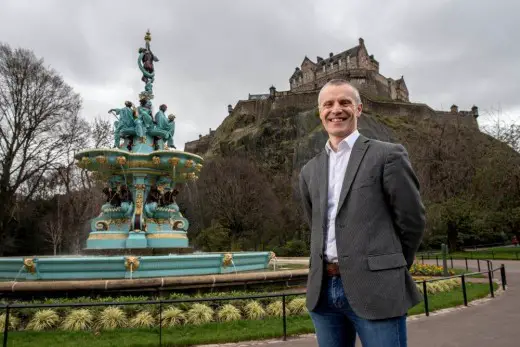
(353, 65)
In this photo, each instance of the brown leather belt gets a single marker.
(332, 269)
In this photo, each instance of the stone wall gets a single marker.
(304, 101)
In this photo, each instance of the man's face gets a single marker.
(338, 110)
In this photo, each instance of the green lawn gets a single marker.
(502, 253)
(497, 253)
(210, 333)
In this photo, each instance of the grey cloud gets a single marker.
(213, 53)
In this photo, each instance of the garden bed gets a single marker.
(184, 324)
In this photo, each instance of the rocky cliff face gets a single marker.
(281, 139)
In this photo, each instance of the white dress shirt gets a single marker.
(338, 162)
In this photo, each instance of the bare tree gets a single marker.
(241, 199)
(507, 132)
(53, 228)
(37, 109)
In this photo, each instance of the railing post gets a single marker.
(422, 259)
(6, 327)
(464, 293)
(491, 291)
(425, 294)
(478, 263)
(503, 275)
(160, 322)
(284, 319)
(466, 260)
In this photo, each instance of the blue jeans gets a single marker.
(336, 323)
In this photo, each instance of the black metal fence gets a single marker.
(490, 274)
(515, 255)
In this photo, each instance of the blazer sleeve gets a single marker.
(306, 199)
(401, 188)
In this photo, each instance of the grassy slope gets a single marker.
(210, 333)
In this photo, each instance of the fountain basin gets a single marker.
(129, 267)
(179, 165)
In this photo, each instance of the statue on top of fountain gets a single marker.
(127, 120)
(166, 124)
(139, 122)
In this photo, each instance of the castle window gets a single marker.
(324, 68)
(348, 59)
(339, 62)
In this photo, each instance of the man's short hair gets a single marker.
(340, 82)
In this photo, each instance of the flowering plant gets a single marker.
(428, 270)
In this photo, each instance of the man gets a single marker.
(361, 198)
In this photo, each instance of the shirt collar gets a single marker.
(347, 141)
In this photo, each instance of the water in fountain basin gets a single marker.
(124, 174)
(234, 267)
(19, 272)
(189, 193)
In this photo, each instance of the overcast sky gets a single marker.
(213, 53)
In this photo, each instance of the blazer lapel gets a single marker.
(358, 152)
(323, 177)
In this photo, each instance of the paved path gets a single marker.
(494, 322)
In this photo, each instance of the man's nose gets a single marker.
(336, 108)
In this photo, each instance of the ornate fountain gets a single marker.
(143, 171)
(140, 231)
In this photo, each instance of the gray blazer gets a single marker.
(379, 226)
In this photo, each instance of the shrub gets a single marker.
(173, 316)
(254, 310)
(428, 270)
(143, 319)
(43, 320)
(112, 318)
(275, 309)
(14, 322)
(78, 320)
(199, 314)
(228, 313)
(297, 306)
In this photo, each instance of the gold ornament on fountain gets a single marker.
(227, 260)
(198, 167)
(101, 159)
(121, 160)
(30, 265)
(132, 263)
(85, 161)
(173, 161)
(188, 163)
(156, 160)
(148, 36)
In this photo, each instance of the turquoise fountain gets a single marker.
(140, 232)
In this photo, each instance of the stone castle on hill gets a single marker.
(354, 65)
(379, 94)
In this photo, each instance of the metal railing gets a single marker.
(490, 271)
(476, 254)
(490, 276)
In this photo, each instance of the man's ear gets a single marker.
(359, 109)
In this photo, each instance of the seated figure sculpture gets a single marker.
(167, 125)
(119, 202)
(144, 113)
(126, 120)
